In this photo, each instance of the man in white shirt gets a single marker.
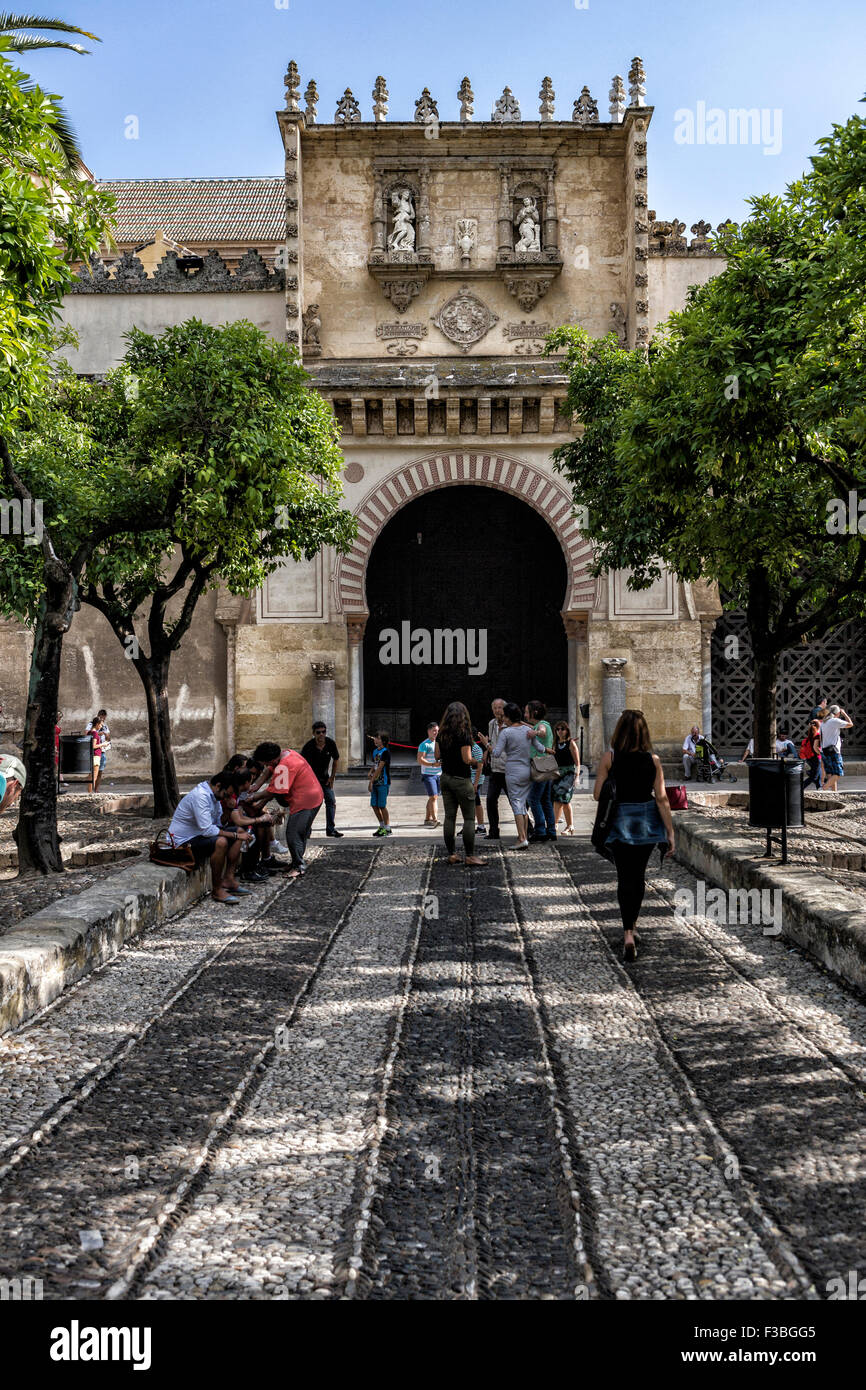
(831, 746)
(197, 822)
(689, 751)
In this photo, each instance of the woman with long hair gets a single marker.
(568, 761)
(453, 749)
(516, 745)
(540, 800)
(642, 818)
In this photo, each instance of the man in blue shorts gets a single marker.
(379, 782)
(431, 771)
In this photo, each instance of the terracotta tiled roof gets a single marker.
(199, 210)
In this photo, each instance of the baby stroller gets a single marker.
(710, 765)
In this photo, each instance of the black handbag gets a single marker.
(604, 817)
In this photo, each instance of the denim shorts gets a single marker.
(638, 823)
(431, 783)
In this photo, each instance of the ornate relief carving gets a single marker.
(426, 109)
(585, 109)
(252, 269)
(641, 307)
(466, 237)
(526, 330)
(529, 285)
(348, 111)
(640, 148)
(507, 108)
(398, 328)
(641, 281)
(464, 319)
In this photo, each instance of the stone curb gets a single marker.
(56, 946)
(826, 920)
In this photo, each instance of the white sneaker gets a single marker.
(277, 848)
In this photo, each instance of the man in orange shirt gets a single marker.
(295, 785)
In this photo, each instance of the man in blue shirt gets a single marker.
(431, 771)
(197, 822)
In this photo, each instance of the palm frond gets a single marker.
(25, 43)
(34, 21)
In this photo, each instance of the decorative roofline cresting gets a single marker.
(506, 109)
(169, 277)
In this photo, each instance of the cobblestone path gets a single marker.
(403, 1080)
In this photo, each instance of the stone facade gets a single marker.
(425, 261)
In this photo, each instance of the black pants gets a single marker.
(631, 862)
(495, 788)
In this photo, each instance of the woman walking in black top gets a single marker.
(642, 818)
(454, 751)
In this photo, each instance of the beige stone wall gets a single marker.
(337, 240)
(274, 682)
(663, 677)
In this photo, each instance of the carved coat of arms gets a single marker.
(464, 319)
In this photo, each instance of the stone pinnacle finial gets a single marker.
(637, 83)
(547, 96)
(292, 83)
(617, 99)
(380, 101)
(467, 100)
(311, 97)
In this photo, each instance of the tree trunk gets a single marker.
(154, 677)
(36, 832)
(766, 664)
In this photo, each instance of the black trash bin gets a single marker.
(776, 797)
(76, 755)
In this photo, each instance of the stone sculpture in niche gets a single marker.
(312, 329)
(402, 236)
(528, 225)
(618, 315)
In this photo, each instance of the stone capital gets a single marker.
(323, 670)
(613, 666)
(356, 624)
(576, 626)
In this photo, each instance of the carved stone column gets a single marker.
(612, 694)
(324, 698)
(378, 222)
(576, 630)
(707, 628)
(551, 216)
(356, 624)
(424, 212)
(506, 231)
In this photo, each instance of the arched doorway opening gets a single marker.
(465, 588)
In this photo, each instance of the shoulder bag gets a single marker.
(604, 817)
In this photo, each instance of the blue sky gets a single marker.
(204, 77)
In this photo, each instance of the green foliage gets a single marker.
(717, 454)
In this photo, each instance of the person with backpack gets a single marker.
(810, 753)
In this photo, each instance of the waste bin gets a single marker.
(776, 798)
(76, 755)
(775, 792)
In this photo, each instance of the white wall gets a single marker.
(100, 320)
